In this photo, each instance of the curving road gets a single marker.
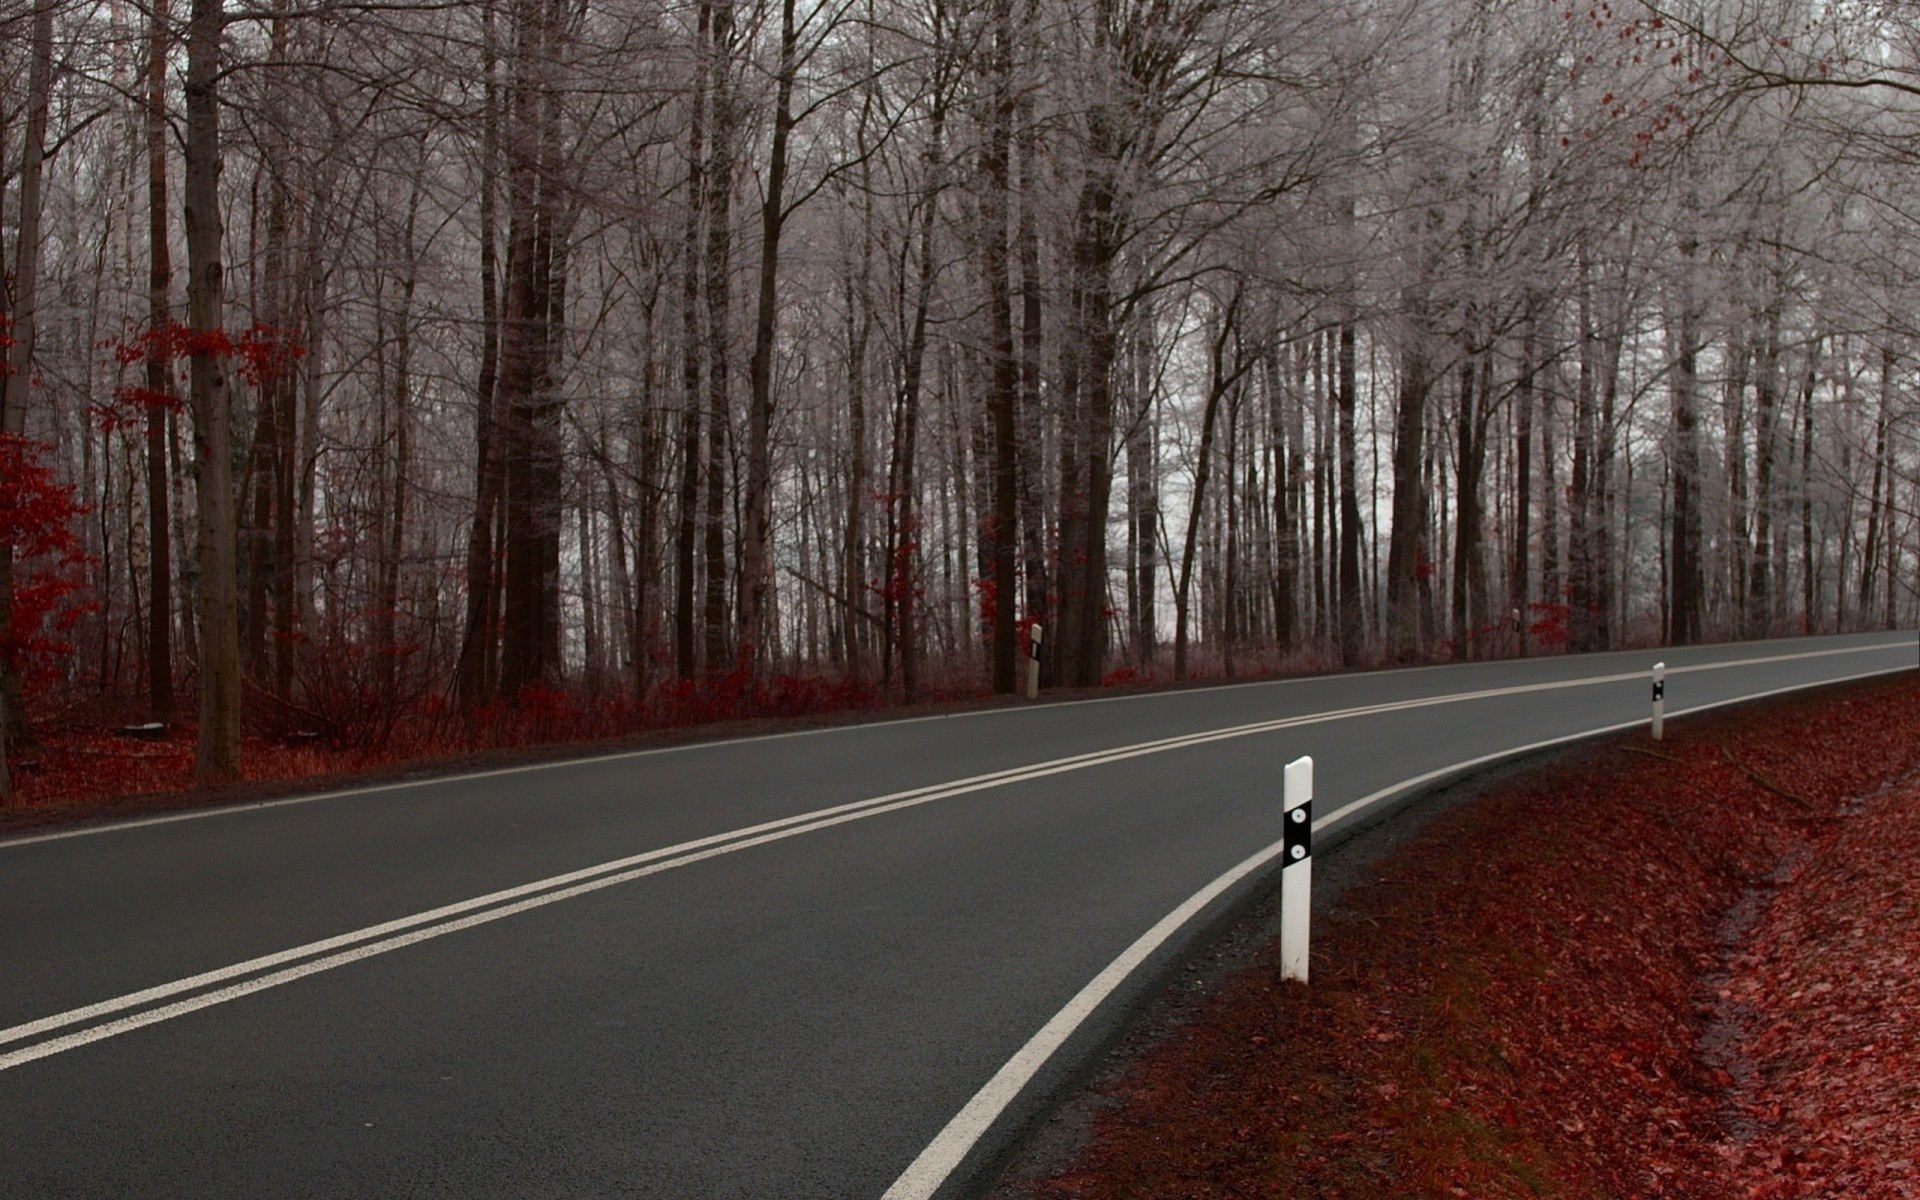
(848, 962)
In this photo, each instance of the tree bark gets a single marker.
(686, 534)
(217, 755)
(1407, 537)
(1684, 611)
(1006, 381)
(476, 647)
(903, 580)
(756, 553)
(1351, 609)
(26, 303)
(719, 258)
(159, 378)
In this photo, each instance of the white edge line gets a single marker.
(389, 935)
(928, 1172)
(589, 879)
(679, 854)
(111, 826)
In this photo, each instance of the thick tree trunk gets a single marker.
(1870, 549)
(159, 378)
(1351, 608)
(1602, 532)
(1759, 598)
(1809, 569)
(719, 259)
(530, 409)
(1469, 466)
(1407, 538)
(1581, 519)
(853, 548)
(217, 756)
(1085, 639)
(1005, 375)
(1685, 609)
(903, 577)
(480, 637)
(1143, 495)
(25, 315)
(686, 532)
(1520, 581)
(1032, 426)
(1288, 464)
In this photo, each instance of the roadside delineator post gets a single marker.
(1659, 698)
(1033, 662)
(1296, 872)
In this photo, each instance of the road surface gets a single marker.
(849, 962)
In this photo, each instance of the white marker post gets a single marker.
(1296, 875)
(1033, 663)
(1659, 698)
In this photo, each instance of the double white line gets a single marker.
(150, 1006)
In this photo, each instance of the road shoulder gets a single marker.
(1508, 988)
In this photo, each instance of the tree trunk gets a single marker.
(1006, 380)
(686, 533)
(533, 312)
(1520, 584)
(756, 553)
(1406, 539)
(26, 303)
(1470, 464)
(1759, 598)
(1809, 576)
(1351, 612)
(159, 379)
(1870, 550)
(719, 258)
(1684, 611)
(1288, 463)
(1029, 451)
(902, 579)
(1582, 524)
(217, 756)
(853, 549)
(471, 682)
(1218, 381)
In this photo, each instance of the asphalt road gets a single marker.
(797, 1010)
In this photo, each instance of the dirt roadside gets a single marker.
(1676, 970)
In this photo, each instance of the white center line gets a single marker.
(272, 970)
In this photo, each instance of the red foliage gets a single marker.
(1523, 1017)
(1550, 621)
(259, 354)
(1824, 999)
(36, 519)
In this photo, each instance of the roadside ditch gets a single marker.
(1679, 969)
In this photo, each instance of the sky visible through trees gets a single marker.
(371, 359)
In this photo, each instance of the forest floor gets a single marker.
(87, 765)
(1682, 969)
(85, 768)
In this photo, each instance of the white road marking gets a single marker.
(721, 743)
(950, 1147)
(360, 944)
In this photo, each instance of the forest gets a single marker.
(377, 366)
